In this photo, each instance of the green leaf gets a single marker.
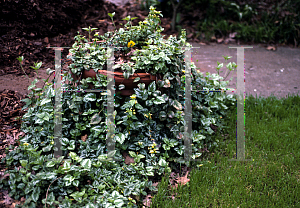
(126, 18)
(141, 86)
(67, 165)
(146, 62)
(47, 148)
(86, 164)
(121, 87)
(95, 119)
(73, 155)
(177, 105)
(138, 106)
(111, 153)
(118, 202)
(155, 57)
(162, 54)
(24, 163)
(50, 164)
(90, 97)
(45, 100)
(127, 192)
(120, 138)
(111, 14)
(162, 115)
(75, 183)
(36, 194)
(136, 79)
(20, 58)
(69, 178)
(126, 74)
(159, 100)
(31, 87)
(36, 167)
(132, 102)
(149, 103)
(64, 141)
(138, 125)
(152, 86)
(171, 114)
(132, 154)
(162, 162)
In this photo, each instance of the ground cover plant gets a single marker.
(272, 179)
(255, 21)
(149, 126)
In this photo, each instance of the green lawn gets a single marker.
(271, 180)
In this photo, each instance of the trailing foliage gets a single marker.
(149, 126)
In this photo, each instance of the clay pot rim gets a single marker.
(121, 73)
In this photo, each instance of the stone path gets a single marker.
(266, 72)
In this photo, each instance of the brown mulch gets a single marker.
(43, 24)
(10, 119)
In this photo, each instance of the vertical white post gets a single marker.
(240, 141)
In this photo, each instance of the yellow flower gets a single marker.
(183, 71)
(52, 142)
(198, 71)
(130, 44)
(129, 198)
(151, 151)
(200, 165)
(133, 96)
(146, 115)
(26, 144)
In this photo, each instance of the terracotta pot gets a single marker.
(119, 79)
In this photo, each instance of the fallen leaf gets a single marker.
(190, 35)
(269, 48)
(83, 138)
(182, 180)
(227, 40)
(220, 40)
(147, 201)
(46, 40)
(232, 35)
(128, 159)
